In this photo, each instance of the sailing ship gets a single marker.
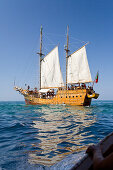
(76, 90)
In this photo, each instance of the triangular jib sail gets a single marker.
(51, 75)
(78, 68)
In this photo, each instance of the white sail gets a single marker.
(78, 68)
(51, 75)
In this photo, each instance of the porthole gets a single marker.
(66, 96)
(76, 96)
(73, 96)
(69, 96)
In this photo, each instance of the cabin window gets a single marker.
(80, 96)
(66, 96)
(69, 96)
(61, 96)
(73, 96)
(76, 96)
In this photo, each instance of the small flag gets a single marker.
(96, 79)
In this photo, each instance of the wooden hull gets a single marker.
(69, 97)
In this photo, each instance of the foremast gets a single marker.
(67, 52)
(40, 53)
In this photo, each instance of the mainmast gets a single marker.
(67, 50)
(40, 53)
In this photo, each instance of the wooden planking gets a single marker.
(69, 97)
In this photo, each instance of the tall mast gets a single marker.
(67, 50)
(40, 53)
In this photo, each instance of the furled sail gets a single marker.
(78, 68)
(51, 75)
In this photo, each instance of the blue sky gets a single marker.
(20, 21)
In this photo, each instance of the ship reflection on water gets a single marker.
(61, 130)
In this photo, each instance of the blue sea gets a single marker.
(39, 137)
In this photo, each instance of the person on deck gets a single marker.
(84, 85)
(28, 87)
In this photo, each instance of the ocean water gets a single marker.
(39, 137)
